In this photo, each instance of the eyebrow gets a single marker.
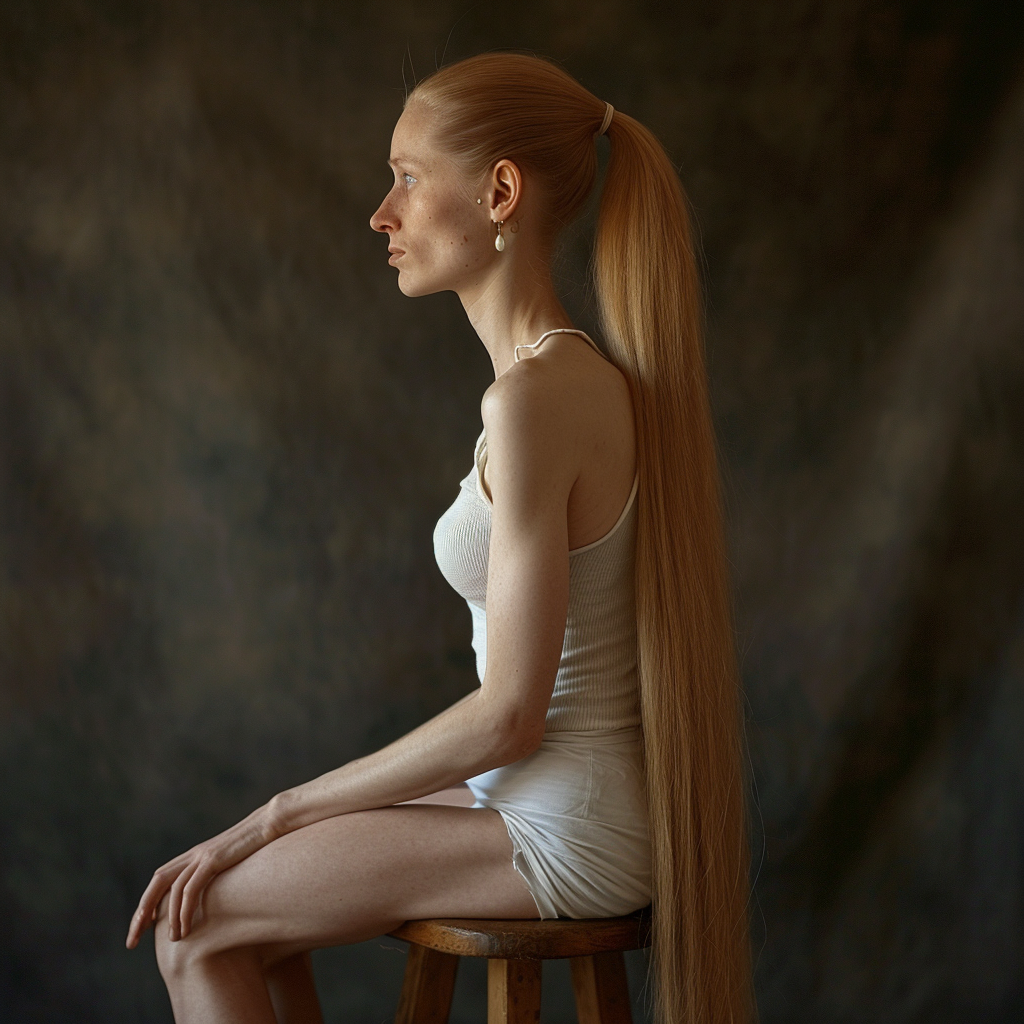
(402, 160)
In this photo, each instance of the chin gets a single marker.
(411, 288)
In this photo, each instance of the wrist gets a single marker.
(279, 814)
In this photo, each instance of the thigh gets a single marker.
(355, 876)
(454, 796)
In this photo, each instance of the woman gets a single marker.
(591, 523)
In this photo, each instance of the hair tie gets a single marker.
(607, 118)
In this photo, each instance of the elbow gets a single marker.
(515, 737)
(526, 742)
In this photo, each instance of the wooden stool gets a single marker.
(514, 950)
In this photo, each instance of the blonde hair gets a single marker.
(527, 109)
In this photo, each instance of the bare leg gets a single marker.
(292, 984)
(223, 987)
(293, 991)
(454, 796)
(341, 880)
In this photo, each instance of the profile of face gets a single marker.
(441, 239)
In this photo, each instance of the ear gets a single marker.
(506, 189)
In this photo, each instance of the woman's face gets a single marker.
(446, 239)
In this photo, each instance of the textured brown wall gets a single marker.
(225, 437)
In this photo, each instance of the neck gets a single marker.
(515, 306)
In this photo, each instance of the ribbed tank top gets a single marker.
(596, 683)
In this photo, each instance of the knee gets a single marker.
(173, 958)
(202, 950)
(178, 958)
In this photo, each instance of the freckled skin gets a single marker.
(313, 873)
(444, 225)
(427, 215)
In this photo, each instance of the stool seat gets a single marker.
(530, 940)
(514, 950)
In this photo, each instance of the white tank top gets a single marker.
(596, 684)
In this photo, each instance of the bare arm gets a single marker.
(470, 737)
(531, 475)
(527, 599)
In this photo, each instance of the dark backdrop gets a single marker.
(225, 437)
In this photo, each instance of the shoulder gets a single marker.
(524, 398)
(529, 423)
(557, 383)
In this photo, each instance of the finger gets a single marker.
(135, 929)
(145, 913)
(192, 893)
(162, 879)
(174, 902)
(149, 904)
(143, 917)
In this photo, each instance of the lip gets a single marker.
(395, 253)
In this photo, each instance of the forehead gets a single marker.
(411, 141)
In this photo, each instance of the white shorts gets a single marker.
(576, 812)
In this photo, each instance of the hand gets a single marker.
(188, 875)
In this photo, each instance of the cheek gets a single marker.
(451, 221)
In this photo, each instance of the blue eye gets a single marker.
(409, 176)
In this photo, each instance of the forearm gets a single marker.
(464, 740)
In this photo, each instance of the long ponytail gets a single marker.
(651, 311)
(528, 109)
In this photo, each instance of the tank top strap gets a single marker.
(560, 330)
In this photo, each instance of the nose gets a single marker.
(384, 219)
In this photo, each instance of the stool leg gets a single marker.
(513, 991)
(602, 993)
(427, 986)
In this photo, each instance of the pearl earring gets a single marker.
(499, 242)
